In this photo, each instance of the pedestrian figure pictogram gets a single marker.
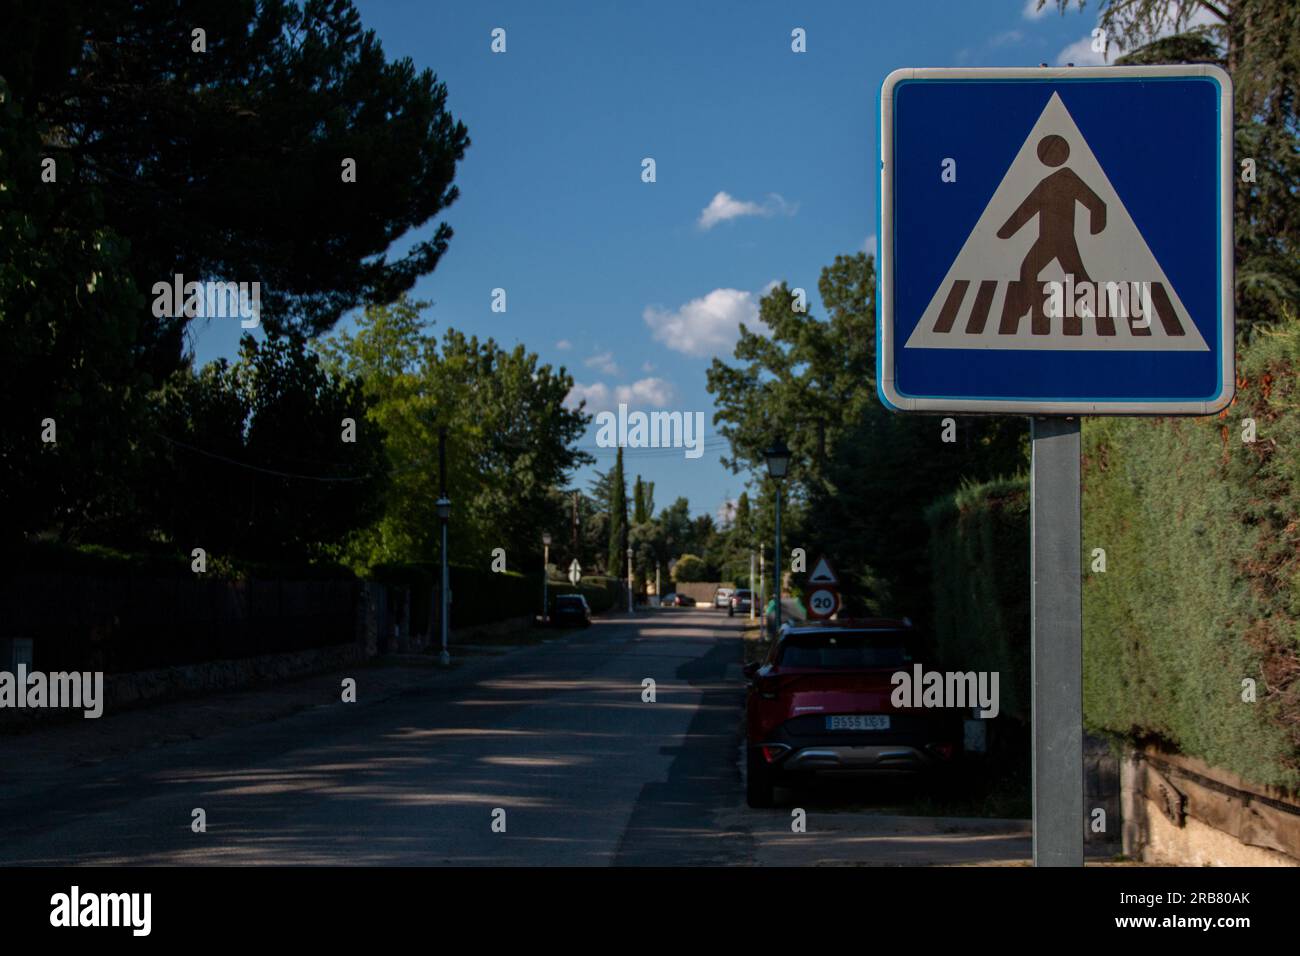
(1052, 201)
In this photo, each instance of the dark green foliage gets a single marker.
(602, 593)
(979, 555)
(249, 459)
(1202, 586)
(690, 567)
(861, 476)
(228, 163)
(617, 511)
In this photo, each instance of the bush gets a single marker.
(979, 555)
(689, 567)
(602, 593)
(1202, 582)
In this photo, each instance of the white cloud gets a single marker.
(647, 367)
(1006, 39)
(654, 392)
(705, 326)
(1032, 12)
(723, 207)
(604, 363)
(643, 393)
(726, 512)
(1081, 53)
(564, 345)
(870, 246)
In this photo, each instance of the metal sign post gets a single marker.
(1056, 643)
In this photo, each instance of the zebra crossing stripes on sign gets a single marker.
(1076, 257)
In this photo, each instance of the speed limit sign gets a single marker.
(823, 603)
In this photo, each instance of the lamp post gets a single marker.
(444, 512)
(546, 563)
(778, 463)
(629, 580)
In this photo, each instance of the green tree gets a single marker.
(690, 567)
(1258, 43)
(225, 165)
(511, 441)
(860, 476)
(617, 504)
(256, 459)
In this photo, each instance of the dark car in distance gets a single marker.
(821, 704)
(678, 600)
(570, 610)
(741, 600)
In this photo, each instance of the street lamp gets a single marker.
(546, 562)
(443, 506)
(629, 580)
(778, 463)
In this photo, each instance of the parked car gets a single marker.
(570, 610)
(677, 600)
(742, 599)
(722, 597)
(820, 704)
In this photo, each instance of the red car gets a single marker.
(820, 703)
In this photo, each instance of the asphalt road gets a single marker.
(546, 755)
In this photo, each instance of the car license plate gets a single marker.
(858, 722)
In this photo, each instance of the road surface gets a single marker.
(545, 755)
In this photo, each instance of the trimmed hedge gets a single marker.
(602, 593)
(1202, 586)
(1201, 533)
(979, 556)
(478, 595)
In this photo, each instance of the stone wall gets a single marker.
(1180, 811)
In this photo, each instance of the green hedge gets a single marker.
(481, 596)
(979, 556)
(602, 593)
(1202, 585)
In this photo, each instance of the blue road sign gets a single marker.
(1056, 241)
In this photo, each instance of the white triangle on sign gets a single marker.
(822, 573)
(967, 310)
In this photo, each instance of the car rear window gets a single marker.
(569, 599)
(848, 650)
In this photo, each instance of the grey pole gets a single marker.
(776, 560)
(445, 657)
(1056, 644)
(752, 593)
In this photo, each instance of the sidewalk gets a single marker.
(28, 759)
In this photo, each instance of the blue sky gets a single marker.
(764, 167)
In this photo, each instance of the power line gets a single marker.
(265, 471)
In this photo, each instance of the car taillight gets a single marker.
(944, 751)
(772, 753)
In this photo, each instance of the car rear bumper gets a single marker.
(876, 758)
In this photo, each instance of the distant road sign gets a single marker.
(575, 573)
(1037, 257)
(823, 603)
(822, 573)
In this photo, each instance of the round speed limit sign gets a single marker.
(823, 602)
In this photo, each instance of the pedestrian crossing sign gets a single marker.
(1056, 241)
